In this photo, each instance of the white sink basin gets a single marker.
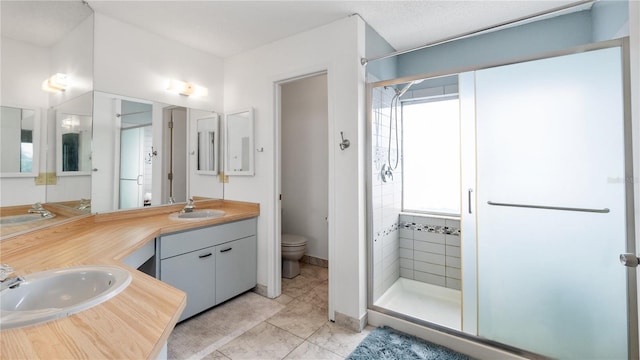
(22, 219)
(198, 214)
(54, 294)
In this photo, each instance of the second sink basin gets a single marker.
(22, 219)
(199, 214)
(54, 294)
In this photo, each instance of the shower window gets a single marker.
(431, 155)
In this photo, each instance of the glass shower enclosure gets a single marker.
(545, 208)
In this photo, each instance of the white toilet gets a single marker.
(293, 247)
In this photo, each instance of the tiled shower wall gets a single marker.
(430, 250)
(386, 196)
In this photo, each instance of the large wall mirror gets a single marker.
(82, 149)
(239, 143)
(150, 153)
(39, 40)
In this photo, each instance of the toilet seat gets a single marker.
(293, 240)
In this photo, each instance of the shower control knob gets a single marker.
(629, 260)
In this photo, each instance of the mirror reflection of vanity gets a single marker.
(45, 69)
(58, 135)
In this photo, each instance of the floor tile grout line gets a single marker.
(229, 338)
(307, 339)
(320, 346)
(318, 282)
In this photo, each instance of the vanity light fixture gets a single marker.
(71, 122)
(56, 83)
(186, 88)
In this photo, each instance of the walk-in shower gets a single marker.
(416, 255)
(505, 215)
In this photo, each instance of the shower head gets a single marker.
(406, 87)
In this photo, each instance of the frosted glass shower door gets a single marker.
(550, 133)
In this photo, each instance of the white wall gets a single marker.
(249, 82)
(73, 56)
(23, 68)
(305, 155)
(133, 62)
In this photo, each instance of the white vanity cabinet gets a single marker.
(236, 267)
(211, 264)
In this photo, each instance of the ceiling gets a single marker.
(226, 28)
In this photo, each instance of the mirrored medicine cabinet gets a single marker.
(20, 130)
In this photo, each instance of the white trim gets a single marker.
(273, 247)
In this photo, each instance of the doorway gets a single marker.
(304, 166)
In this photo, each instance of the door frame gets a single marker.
(275, 284)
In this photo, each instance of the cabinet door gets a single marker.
(192, 273)
(236, 268)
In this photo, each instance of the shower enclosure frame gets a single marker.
(631, 275)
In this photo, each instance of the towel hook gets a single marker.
(345, 142)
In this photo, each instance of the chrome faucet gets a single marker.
(189, 207)
(84, 204)
(6, 281)
(38, 209)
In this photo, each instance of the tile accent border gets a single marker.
(390, 229)
(350, 322)
(430, 250)
(447, 230)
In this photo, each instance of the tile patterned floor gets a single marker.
(293, 326)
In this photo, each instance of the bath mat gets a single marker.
(387, 343)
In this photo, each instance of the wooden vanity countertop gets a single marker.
(136, 323)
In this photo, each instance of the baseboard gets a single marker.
(312, 260)
(351, 323)
(261, 290)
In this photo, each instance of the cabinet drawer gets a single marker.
(236, 268)
(190, 240)
(193, 274)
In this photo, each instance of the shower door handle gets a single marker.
(629, 260)
(469, 193)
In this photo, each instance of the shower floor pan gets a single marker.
(431, 303)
